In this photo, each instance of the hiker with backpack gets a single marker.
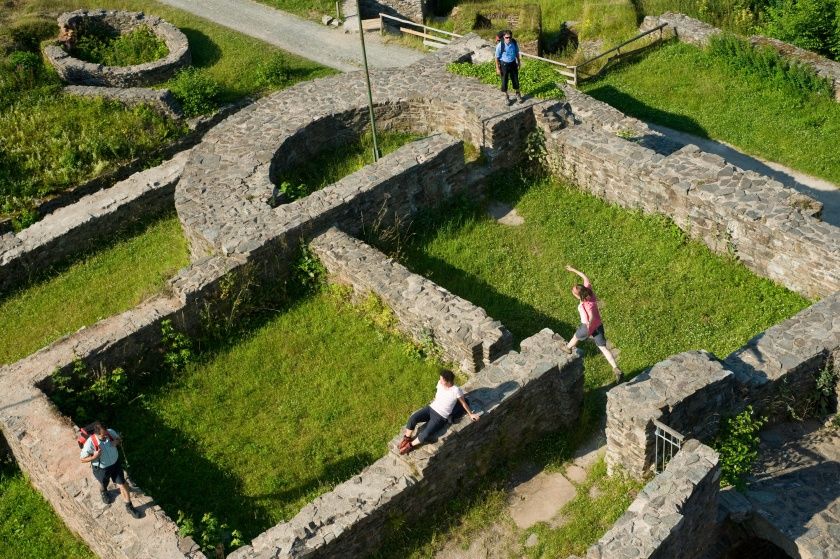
(99, 447)
(590, 322)
(508, 61)
(437, 414)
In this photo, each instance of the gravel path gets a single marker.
(324, 45)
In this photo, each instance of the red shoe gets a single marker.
(407, 448)
(405, 440)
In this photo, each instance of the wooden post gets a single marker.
(337, 11)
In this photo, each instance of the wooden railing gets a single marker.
(436, 41)
(436, 38)
(618, 54)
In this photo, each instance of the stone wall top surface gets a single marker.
(80, 72)
(228, 181)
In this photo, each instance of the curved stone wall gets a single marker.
(223, 196)
(79, 72)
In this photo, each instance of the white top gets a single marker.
(445, 399)
(109, 455)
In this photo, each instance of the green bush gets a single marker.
(810, 24)
(737, 445)
(197, 92)
(138, 46)
(768, 64)
(87, 392)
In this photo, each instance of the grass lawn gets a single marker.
(50, 142)
(98, 285)
(28, 526)
(309, 9)
(683, 87)
(254, 430)
(330, 166)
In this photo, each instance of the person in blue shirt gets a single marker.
(508, 61)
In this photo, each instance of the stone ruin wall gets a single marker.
(698, 33)
(425, 311)
(692, 391)
(540, 382)
(414, 10)
(80, 72)
(673, 517)
(770, 228)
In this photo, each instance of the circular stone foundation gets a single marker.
(80, 72)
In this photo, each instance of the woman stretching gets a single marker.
(590, 322)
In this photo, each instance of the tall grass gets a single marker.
(138, 46)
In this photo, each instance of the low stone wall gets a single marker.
(159, 99)
(691, 391)
(42, 440)
(79, 72)
(223, 197)
(674, 516)
(425, 311)
(520, 397)
(778, 367)
(770, 228)
(698, 33)
(688, 392)
(68, 230)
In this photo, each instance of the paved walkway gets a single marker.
(324, 45)
(816, 188)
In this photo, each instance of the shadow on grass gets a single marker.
(635, 108)
(204, 51)
(129, 228)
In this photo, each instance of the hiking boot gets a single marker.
(129, 508)
(105, 496)
(619, 375)
(509, 101)
(406, 440)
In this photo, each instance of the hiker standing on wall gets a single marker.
(100, 449)
(590, 322)
(508, 61)
(436, 414)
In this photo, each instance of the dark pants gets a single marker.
(112, 472)
(510, 70)
(434, 423)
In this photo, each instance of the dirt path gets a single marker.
(324, 45)
(816, 188)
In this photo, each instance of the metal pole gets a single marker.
(367, 79)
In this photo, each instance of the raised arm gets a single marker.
(585, 279)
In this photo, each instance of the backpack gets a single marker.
(84, 434)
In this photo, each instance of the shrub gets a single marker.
(212, 536)
(737, 445)
(197, 92)
(84, 393)
(177, 347)
(809, 24)
(768, 64)
(138, 46)
(274, 72)
(20, 71)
